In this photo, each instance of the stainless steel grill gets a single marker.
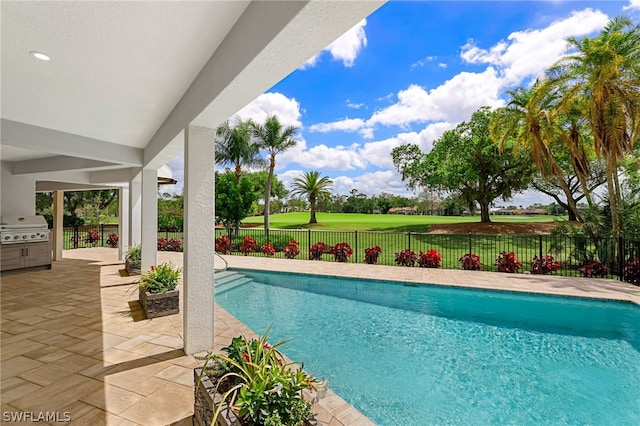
(23, 229)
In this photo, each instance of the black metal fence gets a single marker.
(572, 252)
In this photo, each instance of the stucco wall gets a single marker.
(18, 193)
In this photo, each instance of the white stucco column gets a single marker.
(199, 220)
(149, 239)
(123, 221)
(135, 210)
(58, 231)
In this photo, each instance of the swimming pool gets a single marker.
(422, 355)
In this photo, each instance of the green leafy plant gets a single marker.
(255, 380)
(371, 254)
(406, 258)
(160, 279)
(134, 254)
(291, 250)
(430, 259)
(508, 262)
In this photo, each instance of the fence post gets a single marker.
(356, 244)
(102, 235)
(470, 250)
(409, 240)
(621, 258)
(308, 241)
(540, 240)
(76, 237)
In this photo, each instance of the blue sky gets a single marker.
(411, 71)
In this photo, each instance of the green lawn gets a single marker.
(381, 222)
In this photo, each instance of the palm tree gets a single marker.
(275, 138)
(235, 147)
(602, 79)
(312, 186)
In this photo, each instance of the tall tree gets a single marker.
(236, 148)
(312, 187)
(602, 78)
(468, 163)
(233, 200)
(275, 138)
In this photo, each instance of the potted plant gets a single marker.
(132, 259)
(251, 384)
(157, 290)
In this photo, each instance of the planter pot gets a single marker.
(205, 400)
(160, 305)
(132, 268)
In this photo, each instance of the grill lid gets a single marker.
(21, 222)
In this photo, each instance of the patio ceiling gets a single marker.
(125, 78)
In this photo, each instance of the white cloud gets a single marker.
(633, 4)
(346, 125)
(287, 109)
(354, 105)
(528, 53)
(345, 48)
(442, 65)
(422, 62)
(373, 183)
(323, 157)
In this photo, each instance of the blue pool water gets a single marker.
(426, 355)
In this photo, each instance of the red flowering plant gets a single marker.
(544, 265)
(223, 245)
(406, 258)
(267, 249)
(92, 237)
(508, 262)
(254, 378)
(291, 250)
(162, 244)
(174, 244)
(317, 250)
(631, 271)
(112, 241)
(594, 268)
(341, 252)
(471, 262)
(248, 245)
(430, 259)
(371, 254)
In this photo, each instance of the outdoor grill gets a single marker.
(24, 243)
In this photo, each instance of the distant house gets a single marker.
(530, 211)
(403, 210)
(501, 211)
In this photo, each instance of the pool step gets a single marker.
(227, 280)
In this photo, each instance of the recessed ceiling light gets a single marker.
(39, 55)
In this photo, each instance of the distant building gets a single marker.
(403, 210)
(530, 211)
(501, 211)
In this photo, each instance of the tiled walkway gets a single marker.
(74, 340)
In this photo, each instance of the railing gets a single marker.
(573, 252)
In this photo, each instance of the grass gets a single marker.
(381, 222)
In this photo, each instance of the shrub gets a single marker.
(544, 265)
(291, 250)
(134, 254)
(162, 244)
(471, 262)
(508, 262)
(112, 241)
(254, 378)
(160, 279)
(631, 271)
(223, 245)
(267, 249)
(593, 268)
(92, 237)
(430, 259)
(317, 250)
(248, 245)
(371, 254)
(341, 252)
(406, 258)
(174, 244)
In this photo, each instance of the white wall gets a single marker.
(18, 197)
